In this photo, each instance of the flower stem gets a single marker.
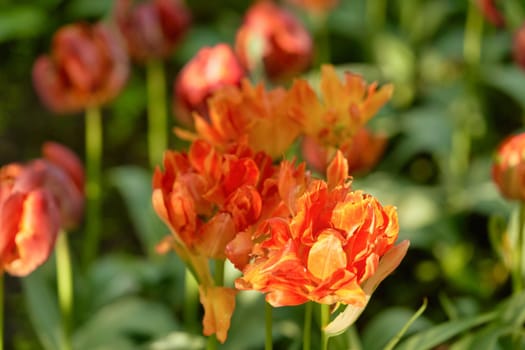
(322, 38)
(157, 113)
(307, 329)
(375, 15)
(64, 286)
(518, 252)
(93, 179)
(191, 301)
(268, 339)
(325, 318)
(473, 33)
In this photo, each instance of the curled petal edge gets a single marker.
(387, 265)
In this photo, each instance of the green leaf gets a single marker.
(134, 184)
(385, 325)
(438, 334)
(121, 322)
(508, 78)
(20, 22)
(179, 341)
(43, 310)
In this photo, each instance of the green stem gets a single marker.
(325, 318)
(518, 266)
(268, 339)
(375, 15)
(191, 301)
(212, 343)
(322, 38)
(307, 329)
(473, 34)
(65, 286)
(157, 112)
(219, 272)
(93, 182)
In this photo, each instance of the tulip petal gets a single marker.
(218, 303)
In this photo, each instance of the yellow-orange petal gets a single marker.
(218, 303)
(326, 255)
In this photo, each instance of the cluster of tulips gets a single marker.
(296, 231)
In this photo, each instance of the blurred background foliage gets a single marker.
(458, 93)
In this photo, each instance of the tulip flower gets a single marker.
(206, 197)
(152, 29)
(329, 250)
(273, 39)
(87, 67)
(211, 69)
(250, 112)
(343, 108)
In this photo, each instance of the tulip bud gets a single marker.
(152, 29)
(210, 69)
(285, 45)
(508, 170)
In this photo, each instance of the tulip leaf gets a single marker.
(125, 322)
(509, 79)
(385, 325)
(21, 22)
(43, 310)
(134, 184)
(436, 335)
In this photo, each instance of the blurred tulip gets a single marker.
(152, 29)
(491, 12)
(88, 66)
(508, 169)
(29, 224)
(362, 152)
(315, 6)
(211, 69)
(66, 160)
(273, 37)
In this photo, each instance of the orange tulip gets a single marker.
(211, 69)
(152, 29)
(29, 224)
(343, 108)
(508, 170)
(249, 112)
(273, 37)
(87, 67)
(326, 251)
(206, 197)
